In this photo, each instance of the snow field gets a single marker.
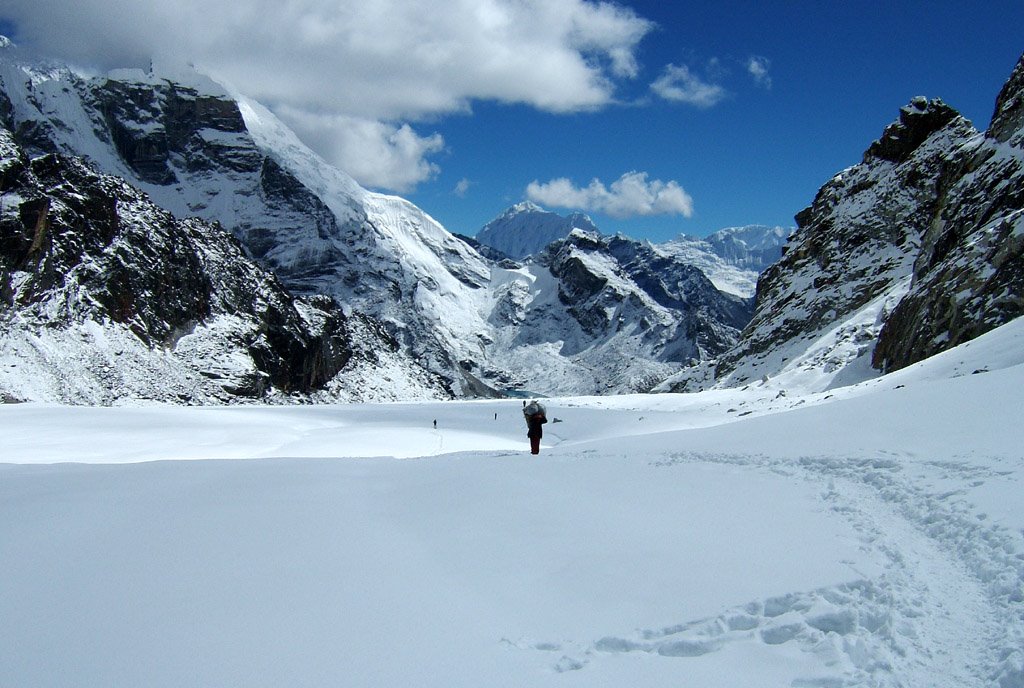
(374, 568)
(867, 536)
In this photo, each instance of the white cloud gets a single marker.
(680, 84)
(376, 154)
(758, 68)
(630, 195)
(370, 60)
(381, 59)
(462, 187)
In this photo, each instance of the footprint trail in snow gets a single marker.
(947, 610)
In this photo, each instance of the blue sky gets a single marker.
(656, 118)
(839, 72)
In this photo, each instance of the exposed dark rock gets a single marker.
(918, 120)
(969, 274)
(90, 247)
(1008, 121)
(132, 114)
(6, 111)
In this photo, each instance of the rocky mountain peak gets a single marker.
(911, 252)
(1008, 120)
(918, 120)
(969, 273)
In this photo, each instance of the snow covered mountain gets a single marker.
(912, 251)
(198, 151)
(574, 321)
(732, 258)
(526, 229)
(597, 315)
(108, 299)
(754, 247)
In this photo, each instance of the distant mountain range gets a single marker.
(592, 314)
(433, 307)
(732, 258)
(164, 239)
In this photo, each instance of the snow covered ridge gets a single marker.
(914, 250)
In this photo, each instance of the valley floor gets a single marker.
(868, 536)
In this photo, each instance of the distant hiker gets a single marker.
(536, 416)
(435, 425)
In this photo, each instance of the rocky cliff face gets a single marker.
(914, 250)
(104, 297)
(199, 151)
(968, 277)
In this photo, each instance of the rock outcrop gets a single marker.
(968, 277)
(916, 249)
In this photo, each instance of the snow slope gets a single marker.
(733, 257)
(871, 535)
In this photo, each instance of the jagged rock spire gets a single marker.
(1008, 119)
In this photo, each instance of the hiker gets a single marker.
(536, 416)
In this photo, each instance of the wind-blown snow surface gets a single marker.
(866, 536)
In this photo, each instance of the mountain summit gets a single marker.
(526, 228)
(912, 251)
